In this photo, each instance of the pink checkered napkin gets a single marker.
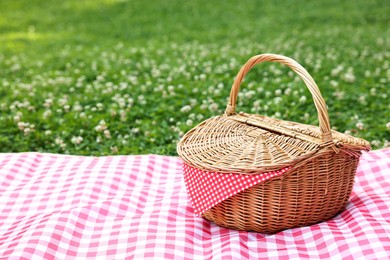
(207, 189)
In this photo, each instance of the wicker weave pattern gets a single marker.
(311, 193)
(323, 162)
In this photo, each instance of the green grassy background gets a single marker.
(154, 69)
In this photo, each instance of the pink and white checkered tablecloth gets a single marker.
(136, 207)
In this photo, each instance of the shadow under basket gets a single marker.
(321, 162)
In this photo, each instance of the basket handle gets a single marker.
(319, 102)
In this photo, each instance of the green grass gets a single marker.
(130, 77)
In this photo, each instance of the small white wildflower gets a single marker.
(277, 100)
(360, 125)
(334, 83)
(339, 94)
(48, 102)
(349, 76)
(107, 134)
(114, 149)
(347, 132)
(47, 113)
(76, 139)
(171, 89)
(376, 143)
(302, 99)
(185, 109)
(22, 125)
(278, 92)
(388, 125)
(26, 131)
(60, 142)
(17, 118)
(101, 126)
(77, 107)
(250, 94)
(135, 130)
(189, 122)
(47, 132)
(306, 116)
(99, 106)
(213, 107)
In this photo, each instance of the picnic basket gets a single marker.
(304, 174)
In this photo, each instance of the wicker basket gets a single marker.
(321, 162)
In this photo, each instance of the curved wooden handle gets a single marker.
(319, 102)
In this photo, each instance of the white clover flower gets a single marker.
(337, 70)
(22, 125)
(277, 100)
(76, 139)
(60, 142)
(334, 83)
(17, 118)
(388, 125)
(114, 149)
(199, 117)
(349, 76)
(101, 126)
(135, 130)
(189, 122)
(213, 107)
(99, 106)
(26, 131)
(302, 99)
(47, 132)
(360, 125)
(185, 109)
(107, 134)
(376, 142)
(339, 94)
(250, 94)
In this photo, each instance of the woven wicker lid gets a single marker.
(246, 143)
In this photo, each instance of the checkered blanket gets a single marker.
(136, 207)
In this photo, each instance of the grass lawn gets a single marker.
(102, 77)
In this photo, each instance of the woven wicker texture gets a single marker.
(323, 161)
